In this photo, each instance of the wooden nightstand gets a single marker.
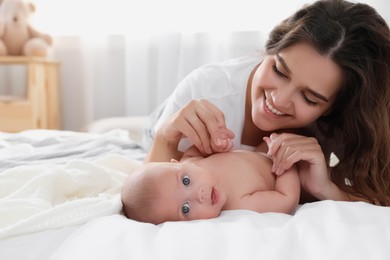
(39, 106)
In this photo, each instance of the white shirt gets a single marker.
(223, 84)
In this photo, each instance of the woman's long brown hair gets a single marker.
(357, 129)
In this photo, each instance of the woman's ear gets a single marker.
(174, 161)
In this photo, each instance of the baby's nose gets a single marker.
(201, 194)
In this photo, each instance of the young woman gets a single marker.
(321, 89)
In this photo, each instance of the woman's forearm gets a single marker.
(333, 192)
(163, 150)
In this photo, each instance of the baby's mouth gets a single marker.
(214, 196)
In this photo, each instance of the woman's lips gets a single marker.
(271, 111)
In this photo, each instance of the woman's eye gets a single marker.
(186, 180)
(308, 101)
(185, 209)
(278, 72)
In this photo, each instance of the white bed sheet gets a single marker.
(35, 246)
(321, 230)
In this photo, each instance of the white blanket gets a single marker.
(322, 230)
(46, 196)
(34, 147)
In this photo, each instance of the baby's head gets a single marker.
(140, 193)
(159, 192)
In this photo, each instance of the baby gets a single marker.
(198, 187)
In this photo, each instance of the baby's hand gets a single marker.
(223, 142)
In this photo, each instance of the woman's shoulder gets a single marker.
(231, 65)
(228, 74)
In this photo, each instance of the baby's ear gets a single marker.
(174, 161)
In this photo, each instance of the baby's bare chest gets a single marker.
(246, 172)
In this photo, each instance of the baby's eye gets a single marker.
(186, 180)
(185, 209)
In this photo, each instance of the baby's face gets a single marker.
(187, 192)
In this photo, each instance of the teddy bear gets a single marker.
(17, 36)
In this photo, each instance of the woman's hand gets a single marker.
(203, 123)
(287, 149)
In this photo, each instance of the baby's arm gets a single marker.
(284, 198)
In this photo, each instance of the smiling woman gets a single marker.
(304, 92)
(321, 87)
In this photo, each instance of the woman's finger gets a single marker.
(308, 153)
(214, 120)
(286, 148)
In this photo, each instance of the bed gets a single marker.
(60, 199)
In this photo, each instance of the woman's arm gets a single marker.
(201, 122)
(288, 149)
(329, 191)
(163, 150)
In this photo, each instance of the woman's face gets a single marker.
(293, 88)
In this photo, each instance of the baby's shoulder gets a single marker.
(256, 154)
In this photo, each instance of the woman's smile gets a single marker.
(273, 110)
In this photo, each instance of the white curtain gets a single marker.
(123, 58)
(124, 75)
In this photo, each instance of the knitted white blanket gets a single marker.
(41, 197)
(46, 196)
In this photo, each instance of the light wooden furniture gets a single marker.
(39, 108)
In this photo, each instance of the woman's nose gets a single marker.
(282, 98)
